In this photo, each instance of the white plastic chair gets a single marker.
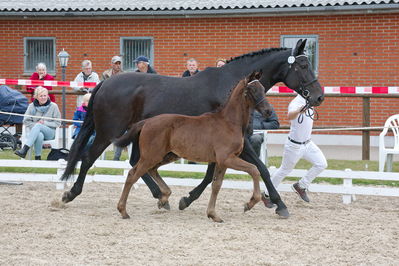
(54, 142)
(386, 153)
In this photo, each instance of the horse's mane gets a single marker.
(260, 52)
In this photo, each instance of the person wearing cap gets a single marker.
(116, 68)
(192, 68)
(143, 65)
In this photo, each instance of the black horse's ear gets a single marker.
(300, 47)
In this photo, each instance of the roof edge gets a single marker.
(289, 11)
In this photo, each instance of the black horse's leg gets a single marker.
(248, 154)
(152, 185)
(88, 159)
(197, 191)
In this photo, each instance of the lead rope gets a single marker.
(309, 112)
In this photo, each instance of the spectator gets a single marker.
(40, 128)
(87, 75)
(297, 146)
(80, 115)
(220, 62)
(116, 68)
(259, 122)
(192, 68)
(40, 74)
(143, 65)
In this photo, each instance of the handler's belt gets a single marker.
(297, 142)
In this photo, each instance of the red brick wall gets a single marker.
(354, 50)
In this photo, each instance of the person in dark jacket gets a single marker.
(192, 68)
(257, 121)
(143, 65)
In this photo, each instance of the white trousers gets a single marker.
(291, 155)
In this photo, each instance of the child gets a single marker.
(80, 115)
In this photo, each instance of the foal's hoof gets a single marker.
(164, 205)
(216, 219)
(246, 207)
(125, 216)
(184, 203)
(283, 213)
(67, 197)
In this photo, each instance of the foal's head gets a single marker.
(255, 94)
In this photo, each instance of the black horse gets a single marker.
(127, 98)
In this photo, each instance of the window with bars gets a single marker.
(132, 47)
(311, 48)
(39, 50)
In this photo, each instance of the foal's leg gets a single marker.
(249, 155)
(163, 201)
(132, 177)
(197, 191)
(241, 165)
(216, 185)
(134, 158)
(95, 150)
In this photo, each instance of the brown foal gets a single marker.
(211, 137)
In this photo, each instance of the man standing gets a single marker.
(297, 146)
(143, 65)
(116, 68)
(192, 68)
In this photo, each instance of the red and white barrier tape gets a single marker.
(274, 89)
(344, 90)
(50, 83)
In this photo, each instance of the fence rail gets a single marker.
(347, 189)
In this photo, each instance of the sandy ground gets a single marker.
(89, 230)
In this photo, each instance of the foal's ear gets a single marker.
(254, 75)
(300, 47)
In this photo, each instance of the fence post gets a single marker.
(347, 198)
(60, 185)
(366, 133)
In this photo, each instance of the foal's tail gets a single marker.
(130, 135)
(82, 138)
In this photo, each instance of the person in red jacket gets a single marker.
(40, 74)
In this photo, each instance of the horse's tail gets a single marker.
(82, 138)
(130, 135)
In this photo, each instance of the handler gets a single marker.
(297, 146)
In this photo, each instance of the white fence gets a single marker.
(347, 189)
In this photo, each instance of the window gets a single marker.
(37, 50)
(311, 48)
(132, 47)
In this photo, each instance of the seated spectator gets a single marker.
(40, 128)
(116, 68)
(143, 65)
(87, 75)
(257, 121)
(220, 62)
(80, 115)
(40, 74)
(192, 68)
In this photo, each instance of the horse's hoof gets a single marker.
(184, 203)
(165, 205)
(246, 207)
(126, 216)
(216, 219)
(67, 197)
(283, 213)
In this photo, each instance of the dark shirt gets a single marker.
(187, 73)
(257, 121)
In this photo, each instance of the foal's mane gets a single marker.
(260, 52)
(220, 107)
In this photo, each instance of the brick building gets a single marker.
(351, 43)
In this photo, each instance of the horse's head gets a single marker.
(255, 93)
(300, 76)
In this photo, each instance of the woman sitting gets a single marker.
(41, 128)
(40, 74)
